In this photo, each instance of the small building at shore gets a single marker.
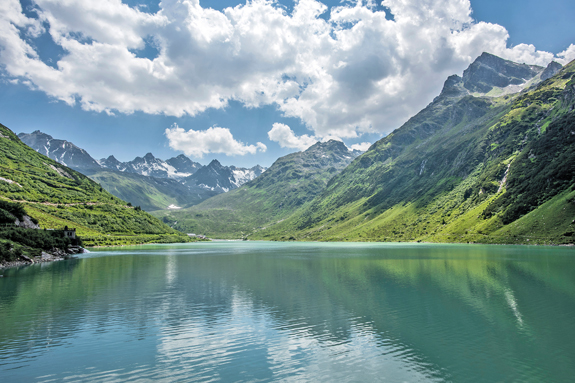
(69, 233)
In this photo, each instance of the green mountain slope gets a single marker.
(290, 183)
(58, 196)
(466, 168)
(150, 193)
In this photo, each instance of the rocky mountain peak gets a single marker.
(183, 164)
(453, 87)
(215, 164)
(39, 134)
(258, 168)
(111, 159)
(62, 151)
(489, 71)
(551, 70)
(110, 163)
(328, 146)
(218, 178)
(213, 176)
(36, 138)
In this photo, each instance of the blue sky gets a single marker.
(258, 81)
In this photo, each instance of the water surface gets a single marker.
(260, 311)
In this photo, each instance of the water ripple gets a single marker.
(238, 312)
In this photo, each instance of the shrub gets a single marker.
(41, 239)
(5, 253)
(13, 208)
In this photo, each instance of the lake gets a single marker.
(265, 311)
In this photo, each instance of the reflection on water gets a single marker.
(296, 312)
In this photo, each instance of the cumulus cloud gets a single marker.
(350, 72)
(567, 55)
(286, 137)
(213, 140)
(361, 147)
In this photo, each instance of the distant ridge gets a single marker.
(176, 168)
(288, 184)
(58, 196)
(147, 181)
(61, 151)
(491, 159)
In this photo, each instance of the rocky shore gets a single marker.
(51, 256)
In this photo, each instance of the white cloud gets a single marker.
(213, 140)
(567, 55)
(362, 147)
(356, 72)
(286, 137)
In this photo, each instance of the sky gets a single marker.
(248, 82)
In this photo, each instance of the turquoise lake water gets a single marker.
(261, 311)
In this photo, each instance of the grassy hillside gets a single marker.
(465, 169)
(58, 196)
(148, 192)
(290, 183)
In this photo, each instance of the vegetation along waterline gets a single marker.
(37, 193)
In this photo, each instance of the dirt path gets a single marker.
(64, 204)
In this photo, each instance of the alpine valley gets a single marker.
(490, 160)
(38, 192)
(148, 182)
(290, 183)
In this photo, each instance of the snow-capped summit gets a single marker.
(62, 151)
(151, 166)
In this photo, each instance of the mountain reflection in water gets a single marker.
(260, 311)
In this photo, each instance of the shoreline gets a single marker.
(45, 257)
(20, 263)
(141, 244)
(55, 258)
(343, 241)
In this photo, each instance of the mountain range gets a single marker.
(491, 159)
(62, 151)
(288, 184)
(146, 181)
(176, 167)
(56, 196)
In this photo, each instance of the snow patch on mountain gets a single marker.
(147, 166)
(201, 180)
(62, 151)
(242, 176)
